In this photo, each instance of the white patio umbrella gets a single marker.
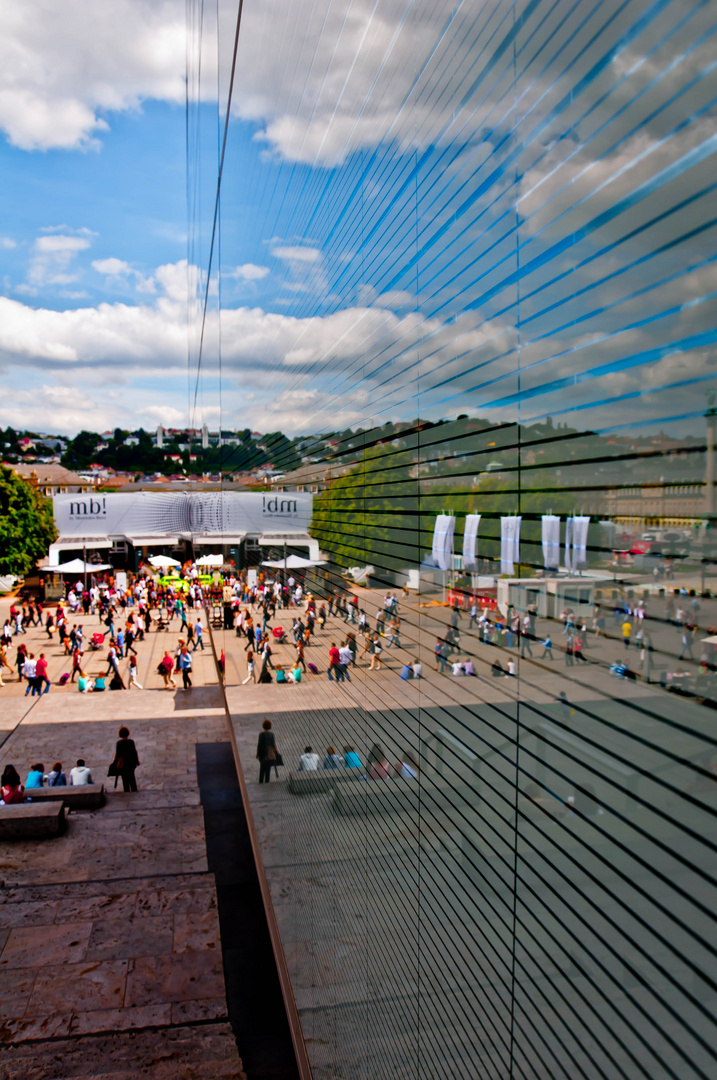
(163, 562)
(76, 566)
(293, 562)
(211, 560)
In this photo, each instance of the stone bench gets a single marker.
(31, 821)
(376, 796)
(83, 797)
(310, 783)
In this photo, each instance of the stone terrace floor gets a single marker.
(110, 955)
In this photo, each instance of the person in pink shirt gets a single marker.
(41, 674)
(12, 789)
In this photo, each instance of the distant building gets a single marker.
(313, 477)
(53, 479)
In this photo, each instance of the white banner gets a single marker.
(470, 543)
(509, 544)
(443, 540)
(580, 542)
(568, 543)
(551, 541)
(180, 513)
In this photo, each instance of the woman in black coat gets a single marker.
(126, 759)
(266, 752)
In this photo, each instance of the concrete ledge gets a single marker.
(309, 783)
(376, 796)
(31, 821)
(87, 797)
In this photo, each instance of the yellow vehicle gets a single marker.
(173, 581)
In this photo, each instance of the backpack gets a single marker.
(313, 668)
(63, 678)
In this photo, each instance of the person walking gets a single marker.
(547, 648)
(185, 666)
(626, 632)
(376, 650)
(133, 673)
(126, 760)
(41, 674)
(29, 668)
(266, 752)
(76, 665)
(569, 660)
(250, 675)
(166, 667)
(198, 635)
(578, 649)
(686, 639)
(335, 671)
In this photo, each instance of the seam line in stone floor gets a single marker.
(4, 887)
(121, 1031)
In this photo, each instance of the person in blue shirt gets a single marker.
(547, 647)
(351, 758)
(35, 777)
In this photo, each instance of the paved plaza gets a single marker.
(110, 952)
(109, 935)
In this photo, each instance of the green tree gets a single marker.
(27, 527)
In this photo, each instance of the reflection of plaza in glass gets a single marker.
(496, 298)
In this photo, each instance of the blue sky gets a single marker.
(382, 169)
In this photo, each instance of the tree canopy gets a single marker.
(27, 526)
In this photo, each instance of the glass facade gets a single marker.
(483, 284)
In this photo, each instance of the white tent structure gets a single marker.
(163, 562)
(76, 566)
(293, 562)
(211, 560)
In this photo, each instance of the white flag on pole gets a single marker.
(580, 542)
(470, 543)
(509, 543)
(551, 542)
(443, 540)
(568, 543)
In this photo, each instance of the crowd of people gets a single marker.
(123, 766)
(377, 765)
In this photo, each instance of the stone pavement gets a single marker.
(111, 960)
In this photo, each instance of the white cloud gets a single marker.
(304, 272)
(166, 415)
(52, 261)
(297, 254)
(111, 267)
(118, 268)
(64, 65)
(7, 242)
(247, 272)
(331, 80)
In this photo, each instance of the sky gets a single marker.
(426, 208)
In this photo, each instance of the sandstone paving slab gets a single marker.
(172, 1053)
(58, 945)
(196, 932)
(79, 987)
(111, 931)
(127, 938)
(184, 977)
